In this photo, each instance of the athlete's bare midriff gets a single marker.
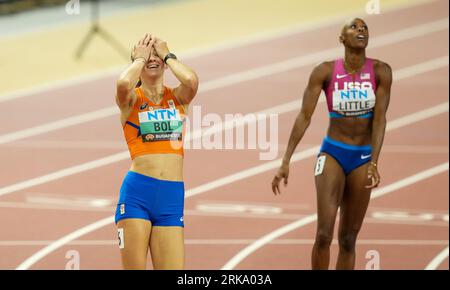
(351, 130)
(160, 166)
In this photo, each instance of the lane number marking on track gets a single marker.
(238, 208)
(68, 201)
(407, 216)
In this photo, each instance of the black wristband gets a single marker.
(169, 55)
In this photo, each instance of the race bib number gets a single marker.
(161, 125)
(320, 165)
(120, 236)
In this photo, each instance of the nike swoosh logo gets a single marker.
(365, 156)
(341, 76)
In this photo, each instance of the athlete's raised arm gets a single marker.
(129, 78)
(188, 87)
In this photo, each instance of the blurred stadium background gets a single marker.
(38, 39)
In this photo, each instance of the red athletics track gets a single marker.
(408, 226)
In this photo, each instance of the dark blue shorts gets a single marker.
(159, 201)
(348, 156)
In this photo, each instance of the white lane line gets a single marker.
(287, 216)
(413, 211)
(296, 207)
(434, 264)
(422, 115)
(280, 109)
(418, 149)
(195, 191)
(72, 201)
(421, 67)
(187, 212)
(214, 48)
(59, 124)
(409, 180)
(314, 58)
(68, 144)
(65, 172)
(244, 253)
(217, 242)
(436, 223)
(13, 204)
(311, 241)
(252, 74)
(64, 240)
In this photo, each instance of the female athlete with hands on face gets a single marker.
(149, 212)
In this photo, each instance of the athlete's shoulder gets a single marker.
(173, 95)
(383, 73)
(323, 70)
(326, 65)
(168, 90)
(381, 66)
(170, 93)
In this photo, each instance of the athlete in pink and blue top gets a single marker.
(357, 89)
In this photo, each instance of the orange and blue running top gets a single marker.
(155, 128)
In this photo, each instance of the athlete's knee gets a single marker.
(324, 237)
(347, 241)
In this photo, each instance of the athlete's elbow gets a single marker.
(192, 81)
(380, 119)
(122, 93)
(305, 118)
(379, 122)
(123, 85)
